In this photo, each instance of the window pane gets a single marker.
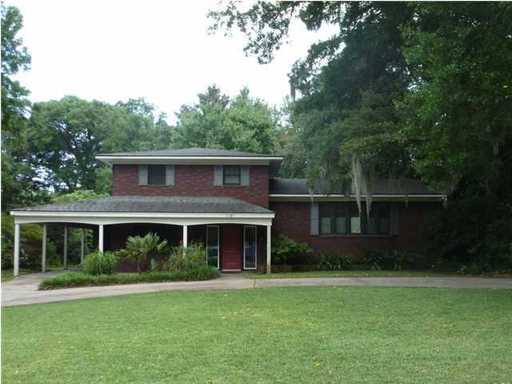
(372, 224)
(212, 245)
(231, 174)
(156, 174)
(341, 225)
(384, 225)
(325, 225)
(213, 236)
(355, 224)
(213, 256)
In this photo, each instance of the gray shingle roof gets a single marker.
(189, 152)
(153, 204)
(382, 187)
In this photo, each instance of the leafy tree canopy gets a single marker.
(18, 185)
(67, 134)
(217, 121)
(419, 89)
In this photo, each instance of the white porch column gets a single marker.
(269, 248)
(43, 253)
(185, 236)
(65, 246)
(16, 250)
(82, 246)
(100, 237)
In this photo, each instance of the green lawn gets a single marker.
(287, 275)
(278, 335)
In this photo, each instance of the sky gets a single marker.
(113, 50)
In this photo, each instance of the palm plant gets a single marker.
(139, 248)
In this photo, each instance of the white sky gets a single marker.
(114, 50)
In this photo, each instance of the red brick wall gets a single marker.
(192, 180)
(293, 220)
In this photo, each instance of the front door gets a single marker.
(231, 248)
(250, 250)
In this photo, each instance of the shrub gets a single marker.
(395, 260)
(187, 259)
(100, 263)
(80, 279)
(288, 251)
(335, 262)
(139, 249)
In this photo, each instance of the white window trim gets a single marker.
(255, 247)
(218, 243)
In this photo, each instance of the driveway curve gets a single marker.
(24, 289)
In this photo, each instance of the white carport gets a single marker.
(178, 211)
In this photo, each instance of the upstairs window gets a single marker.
(156, 174)
(231, 175)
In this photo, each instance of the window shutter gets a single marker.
(314, 220)
(218, 175)
(143, 175)
(395, 219)
(169, 175)
(244, 175)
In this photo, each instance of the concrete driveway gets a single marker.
(23, 289)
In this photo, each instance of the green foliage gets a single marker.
(140, 248)
(100, 263)
(78, 195)
(80, 129)
(409, 89)
(15, 58)
(80, 279)
(30, 244)
(241, 123)
(20, 185)
(288, 251)
(394, 260)
(187, 259)
(480, 239)
(335, 262)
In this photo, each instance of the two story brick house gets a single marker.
(233, 203)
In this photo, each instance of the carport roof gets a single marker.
(153, 204)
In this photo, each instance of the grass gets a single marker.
(275, 335)
(287, 275)
(81, 279)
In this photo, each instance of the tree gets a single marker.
(241, 123)
(456, 122)
(410, 89)
(67, 134)
(19, 183)
(15, 58)
(364, 70)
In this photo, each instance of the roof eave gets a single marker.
(341, 197)
(199, 160)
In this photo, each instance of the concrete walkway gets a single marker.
(23, 290)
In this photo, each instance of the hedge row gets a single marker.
(80, 279)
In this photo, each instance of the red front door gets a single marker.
(231, 247)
